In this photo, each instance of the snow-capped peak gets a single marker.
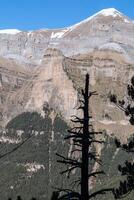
(110, 12)
(10, 31)
(105, 12)
(114, 13)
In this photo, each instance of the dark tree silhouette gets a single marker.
(126, 105)
(84, 138)
(128, 170)
(55, 196)
(19, 198)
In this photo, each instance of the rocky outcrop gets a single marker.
(52, 85)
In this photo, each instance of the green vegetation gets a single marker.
(111, 158)
(29, 121)
(40, 149)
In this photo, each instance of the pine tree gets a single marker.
(84, 138)
(128, 169)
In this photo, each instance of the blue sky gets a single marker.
(37, 14)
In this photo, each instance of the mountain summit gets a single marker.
(106, 26)
(109, 12)
(106, 13)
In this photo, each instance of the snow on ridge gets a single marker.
(58, 34)
(114, 13)
(10, 31)
(105, 12)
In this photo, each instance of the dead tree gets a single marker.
(127, 170)
(84, 138)
(55, 196)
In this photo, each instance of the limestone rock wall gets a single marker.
(52, 85)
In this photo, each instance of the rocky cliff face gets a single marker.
(52, 85)
(48, 84)
(58, 80)
(12, 78)
(110, 72)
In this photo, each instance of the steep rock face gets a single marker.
(53, 86)
(110, 72)
(48, 84)
(12, 78)
(59, 79)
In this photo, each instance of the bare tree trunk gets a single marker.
(85, 145)
(84, 139)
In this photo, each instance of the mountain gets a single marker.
(109, 24)
(41, 75)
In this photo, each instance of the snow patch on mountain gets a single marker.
(58, 34)
(114, 13)
(10, 31)
(110, 12)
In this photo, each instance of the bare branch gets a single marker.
(69, 170)
(95, 173)
(97, 141)
(92, 93)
